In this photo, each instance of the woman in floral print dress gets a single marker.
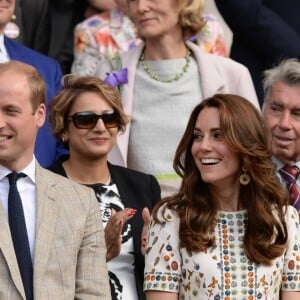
(229, 232)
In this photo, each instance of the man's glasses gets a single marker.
(88, 120)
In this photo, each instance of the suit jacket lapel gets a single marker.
(8, 251)
(45, 221)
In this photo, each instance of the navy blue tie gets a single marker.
(19, 234)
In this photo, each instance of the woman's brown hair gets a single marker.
(73, 87)
(242, 130)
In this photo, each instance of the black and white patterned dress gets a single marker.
(121, 268)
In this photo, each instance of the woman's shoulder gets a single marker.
(126, 170)
(214, 60)
(291, 214)
(123, 171)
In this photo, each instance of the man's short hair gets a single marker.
(287, 72)
(35, 80)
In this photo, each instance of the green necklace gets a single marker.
(167, 80)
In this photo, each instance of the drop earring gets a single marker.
(244, 178)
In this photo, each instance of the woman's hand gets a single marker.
(113, 231)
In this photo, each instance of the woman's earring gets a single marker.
(244, 178)
(63, 140)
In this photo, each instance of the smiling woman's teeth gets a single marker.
(2, 138)
(210, 161)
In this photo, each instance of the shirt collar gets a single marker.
(4, 54)
(29, 170)
(279, 164)
(1, 41)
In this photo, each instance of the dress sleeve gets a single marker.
(291, 268)
(162, 258)
(86, 50)
(211, 37)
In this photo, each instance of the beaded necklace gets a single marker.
(166, 80)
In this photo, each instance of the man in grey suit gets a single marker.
(281, 112)
(64, 230)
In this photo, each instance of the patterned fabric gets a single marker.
(104, 34)
(290, 175)
(108, 33)
(223, 270)
(211, 37)
(121, 268)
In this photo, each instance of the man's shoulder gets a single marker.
(23, 53)
(62, 183)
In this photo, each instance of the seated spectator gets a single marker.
(111, 32)
(87, 116)
(47, 148)
(282, 123)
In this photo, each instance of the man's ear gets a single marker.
(40, 114)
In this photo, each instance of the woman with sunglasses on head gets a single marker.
(167, 76)
(229, 233)
(87, 116)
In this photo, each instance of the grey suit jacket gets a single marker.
(69, 256)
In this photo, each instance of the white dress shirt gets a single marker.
(4, 57)
(27, 190)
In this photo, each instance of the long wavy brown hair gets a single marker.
(242, 130)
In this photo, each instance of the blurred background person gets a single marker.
(264, 32)
(87, 115)
(229, 231)
(162, 79)
(30, 24)
(281, 112)
(103, 34)
(108, 33)
(47, 148)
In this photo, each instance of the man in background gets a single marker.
(281, 112)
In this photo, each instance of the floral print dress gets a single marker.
(223, 271)
(109, 33)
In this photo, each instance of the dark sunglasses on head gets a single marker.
(88, 119)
